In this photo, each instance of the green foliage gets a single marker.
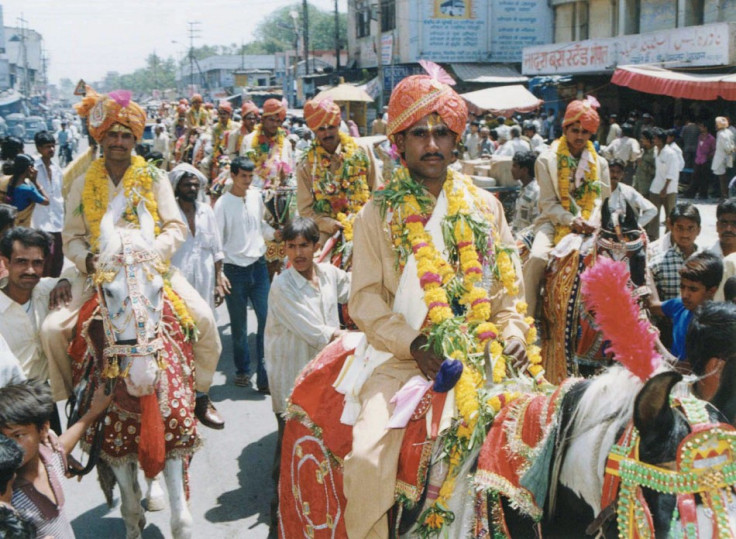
(276, 33)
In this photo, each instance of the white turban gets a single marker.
(183, 169)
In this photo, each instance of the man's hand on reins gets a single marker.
(61, 294)
(516, 351)
(427, 361)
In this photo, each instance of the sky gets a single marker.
(85, 39)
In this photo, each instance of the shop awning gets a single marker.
(502, 100)
(660, 81)
(488, 73)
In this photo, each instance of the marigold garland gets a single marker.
(265, 157)
(137, 184)
(475, 254)
(583, 197)
(182, 313)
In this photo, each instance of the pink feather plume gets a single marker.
(436, 72)
(121, 97)
(593, 101)
(606, 292)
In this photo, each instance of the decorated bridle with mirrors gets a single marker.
(703, 471)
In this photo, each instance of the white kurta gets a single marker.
(196, 257)
(301, 321)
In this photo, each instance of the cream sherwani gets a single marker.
(305, 177)
(58, 328)
(551, 214)
(371, 467)
(285, 157)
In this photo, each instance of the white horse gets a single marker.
(143, 344)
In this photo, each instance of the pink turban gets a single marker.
(583, 111)
(322, 113)
(274, 107)
(104, 111)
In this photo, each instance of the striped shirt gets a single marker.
(46, 516)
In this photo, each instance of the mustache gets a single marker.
(432, 156)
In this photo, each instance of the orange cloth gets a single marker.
(226, 106)
(104, 111)
(249, 107)
(274, 107)
(583, 111)
(321, 113)
(420, 95)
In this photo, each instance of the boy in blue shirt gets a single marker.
(699, 280)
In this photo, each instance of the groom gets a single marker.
(426, 120)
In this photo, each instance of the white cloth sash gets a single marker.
(366, 359)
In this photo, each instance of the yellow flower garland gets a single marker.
(461, 229)
(584, 196)
(137, 183)
(260, 152)
(345, 191)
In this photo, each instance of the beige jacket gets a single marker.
(305, 192)
(75, 235)
(375, 279)
(551, 212)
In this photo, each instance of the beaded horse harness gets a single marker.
(705, 466)
(139, 304)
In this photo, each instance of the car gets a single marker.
(145, 145)
(33, 124)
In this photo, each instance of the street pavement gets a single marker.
(230, 476)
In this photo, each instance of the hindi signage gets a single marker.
(708, 45)
(516, 24)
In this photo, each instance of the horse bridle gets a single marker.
(139, 307)
(705, 465)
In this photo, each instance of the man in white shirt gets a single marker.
(536, 141)
(10, 370)
(472, 141)
(527, 203)
(240, 216)
(515, 145)
(627, 149)
(622, 194)
(671, 137)
(161, 144)
(614, 131)
(663, 190)
(49, 218)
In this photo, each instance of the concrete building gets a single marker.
(217, 73)
(593, 37)
(483, 38)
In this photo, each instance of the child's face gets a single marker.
(28, 437)
(694, 293)
(301, 253)
(684, 233)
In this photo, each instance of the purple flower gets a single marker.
(449, 374)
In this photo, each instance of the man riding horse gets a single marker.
(116, 123)
(410, 240)
(573, 182)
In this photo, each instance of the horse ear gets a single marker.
(146, 221)
(632, 223)
(652, 411)
(115, 210)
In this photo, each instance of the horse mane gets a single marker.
(603, 410)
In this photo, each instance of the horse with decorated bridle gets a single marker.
(134, 336)
(629, 452)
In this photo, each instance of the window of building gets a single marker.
(693, 13)
(362, 19)
(388, 15)
(582, 20)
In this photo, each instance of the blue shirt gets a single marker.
(24, 195)
(680, 316)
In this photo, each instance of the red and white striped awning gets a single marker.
(660, 81)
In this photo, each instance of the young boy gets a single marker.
(699, 280)
(684, 225)
(302, 318)
(622, 194)
(12, 525)
(37, 493)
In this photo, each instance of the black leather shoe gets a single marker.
(207, 414)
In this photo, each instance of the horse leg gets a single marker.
(130, 499)
(155, 500)
(181, 518)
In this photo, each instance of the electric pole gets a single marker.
(379, 53)
(337, 39)
(305, 7)
(194, 32)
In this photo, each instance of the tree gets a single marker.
(276, 32)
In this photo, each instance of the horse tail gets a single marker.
(152, 447)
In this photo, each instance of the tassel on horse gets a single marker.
(152, 447)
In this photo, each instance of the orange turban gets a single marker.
(104, 111)
(321, 113)
(249, 107)
(583, 111)
(419, 95)
(274, 107)
(226, 106)
(196, 98)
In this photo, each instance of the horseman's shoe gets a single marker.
(207, 414)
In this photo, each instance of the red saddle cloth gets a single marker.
(315, 443)
(174, 391)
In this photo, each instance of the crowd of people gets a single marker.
(359, 234)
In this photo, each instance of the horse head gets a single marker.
(673, 468)
(130, 290)
(624, 240)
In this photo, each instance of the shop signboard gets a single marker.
(516, 24)
(454, 31)
(707, 45)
